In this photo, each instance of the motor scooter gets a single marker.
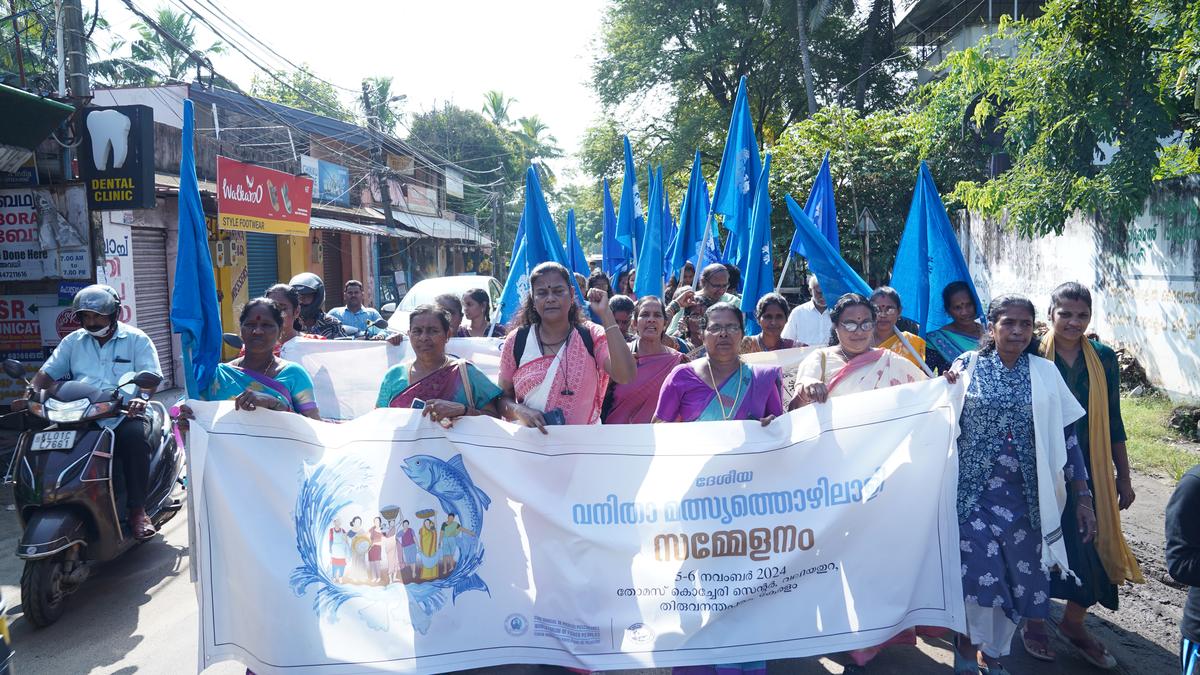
(70, 502)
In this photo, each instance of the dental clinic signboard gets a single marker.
(116, 158)
(254, 199)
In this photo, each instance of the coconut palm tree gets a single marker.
(538, 146)
(495, 107)
(165, 59)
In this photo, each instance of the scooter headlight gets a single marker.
(66, 411)
(100, 409)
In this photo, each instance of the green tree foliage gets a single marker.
(1085, 75)
(676, 64)
(383, 103)
(166, 60)
(489, 155)
(302, 90)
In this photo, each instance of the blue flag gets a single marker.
(576, 258)
(538, 242)
(928, 259)
(649, 279)
(820, 209)
(760, 273)
(836, 277)
(630, 222)
(615, 256)
(693, 216)
(669, 228)
(195, 313)
(734, 191)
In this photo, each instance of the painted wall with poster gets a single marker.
(44, 234)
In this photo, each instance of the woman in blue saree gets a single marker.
(260, 379)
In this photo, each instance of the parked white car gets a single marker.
(424, 291)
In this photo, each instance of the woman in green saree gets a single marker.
(450, 388)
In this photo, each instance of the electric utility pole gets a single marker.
(385, 197)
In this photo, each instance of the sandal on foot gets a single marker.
(1036, 644)
(1087, 646)
(141, 525)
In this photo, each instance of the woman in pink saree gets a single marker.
(634, 403)
(556, 365)
(851, 365)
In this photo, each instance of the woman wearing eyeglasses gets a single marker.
(851, 365)
(886, 302)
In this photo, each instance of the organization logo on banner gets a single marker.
(116, 157)
(255, 199)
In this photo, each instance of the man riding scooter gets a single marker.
(313, 318)
(99, 354)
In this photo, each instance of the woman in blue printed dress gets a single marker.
(1017, 458)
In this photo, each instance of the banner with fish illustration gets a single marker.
(347, 373)
(390, 544)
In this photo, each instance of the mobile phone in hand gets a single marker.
(554, 417)
(417, 404)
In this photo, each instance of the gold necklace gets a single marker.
(716, 388)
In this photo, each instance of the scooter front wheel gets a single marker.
(43, 598)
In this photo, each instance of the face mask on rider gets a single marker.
(99, 333)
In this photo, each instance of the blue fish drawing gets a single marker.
(451, 485)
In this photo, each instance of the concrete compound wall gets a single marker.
(1146, 297)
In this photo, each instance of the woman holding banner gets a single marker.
(634, 403)
(772, 315)
(721, 387)
(259, 378)
(449, 388)
(1091, 372)
(886, 302)
(959, 336)
(851, 365)
(1016, 455)
(555, 366)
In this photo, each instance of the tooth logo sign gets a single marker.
(109, 130)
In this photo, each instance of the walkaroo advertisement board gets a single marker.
(255, 199)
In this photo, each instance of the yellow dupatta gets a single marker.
(1119, 562)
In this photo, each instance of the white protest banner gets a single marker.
(346, 374)
(331, 548)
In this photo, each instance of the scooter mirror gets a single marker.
(389, 308)
(380, 323)
(14, 369)
(147, 380)
(232, 340)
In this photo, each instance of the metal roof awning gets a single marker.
(28, 120)
(363, 229)
(441, 228)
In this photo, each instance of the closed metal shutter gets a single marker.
(153, 315)
(262, 263)
(331, 269)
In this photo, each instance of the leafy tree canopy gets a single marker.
(303, 90)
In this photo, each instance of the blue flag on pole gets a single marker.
(538, 243)
(928, 258)
(630, 221)
(669, 228)
(820, 209)
(734, 191)
(576, 258)
(836, 277)
(615, 255)
(760, 273)
(693, 215)
(195, 314)
(649, 279)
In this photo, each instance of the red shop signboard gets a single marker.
(255, 199)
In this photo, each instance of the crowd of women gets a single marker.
(1043, 470)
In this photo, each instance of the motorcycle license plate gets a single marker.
(53, 440)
